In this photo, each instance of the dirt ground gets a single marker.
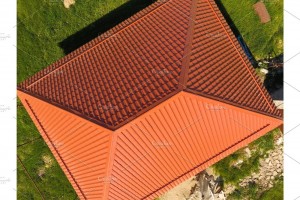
(180, 192)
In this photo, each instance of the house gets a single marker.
(150, 103)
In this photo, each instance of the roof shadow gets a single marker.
(103, 24)
(274, 78)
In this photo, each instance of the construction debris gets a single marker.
(207, 188)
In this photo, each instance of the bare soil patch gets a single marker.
(262, 12)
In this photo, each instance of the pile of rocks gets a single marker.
(270, 168)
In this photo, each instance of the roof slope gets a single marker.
(219, 68)
(170, 46)
(153, 153)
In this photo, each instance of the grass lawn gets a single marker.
(26, 189)
(261, 39)
(26, 130)
(45, 172)
(47, 31)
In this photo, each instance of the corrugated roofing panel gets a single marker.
(81, 148)
(176, 140)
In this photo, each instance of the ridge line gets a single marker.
(188, 48)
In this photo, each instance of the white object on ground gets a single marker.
(68, 3)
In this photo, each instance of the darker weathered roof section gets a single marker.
(124, 72)
(170, 46)
(218, 66)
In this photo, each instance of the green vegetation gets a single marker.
(252, 191)
(232, 173)
(261, 39)
(26, 189)
(275, 192)
(45, 172)
(26, 130)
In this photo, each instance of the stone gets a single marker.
(270, 164)
(264, 71)
(279, 166)
(279, 141)
(278, 170)
(275, 173)
(262, 162)
(248, 152)
(255, 176)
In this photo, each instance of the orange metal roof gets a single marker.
(150, 103)
(148, 156)
(168, 47)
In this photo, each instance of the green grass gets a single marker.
(259, 148)
(275, 192)
(254, 192)
(25, 128)
(53, 183)
(249, 193)
(26, 189)
(261, 39)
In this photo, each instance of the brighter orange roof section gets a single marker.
(167, 94)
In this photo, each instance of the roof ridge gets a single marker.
(188, 48)
(100, 42)
(245, 64)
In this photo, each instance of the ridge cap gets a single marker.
(188, 47)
